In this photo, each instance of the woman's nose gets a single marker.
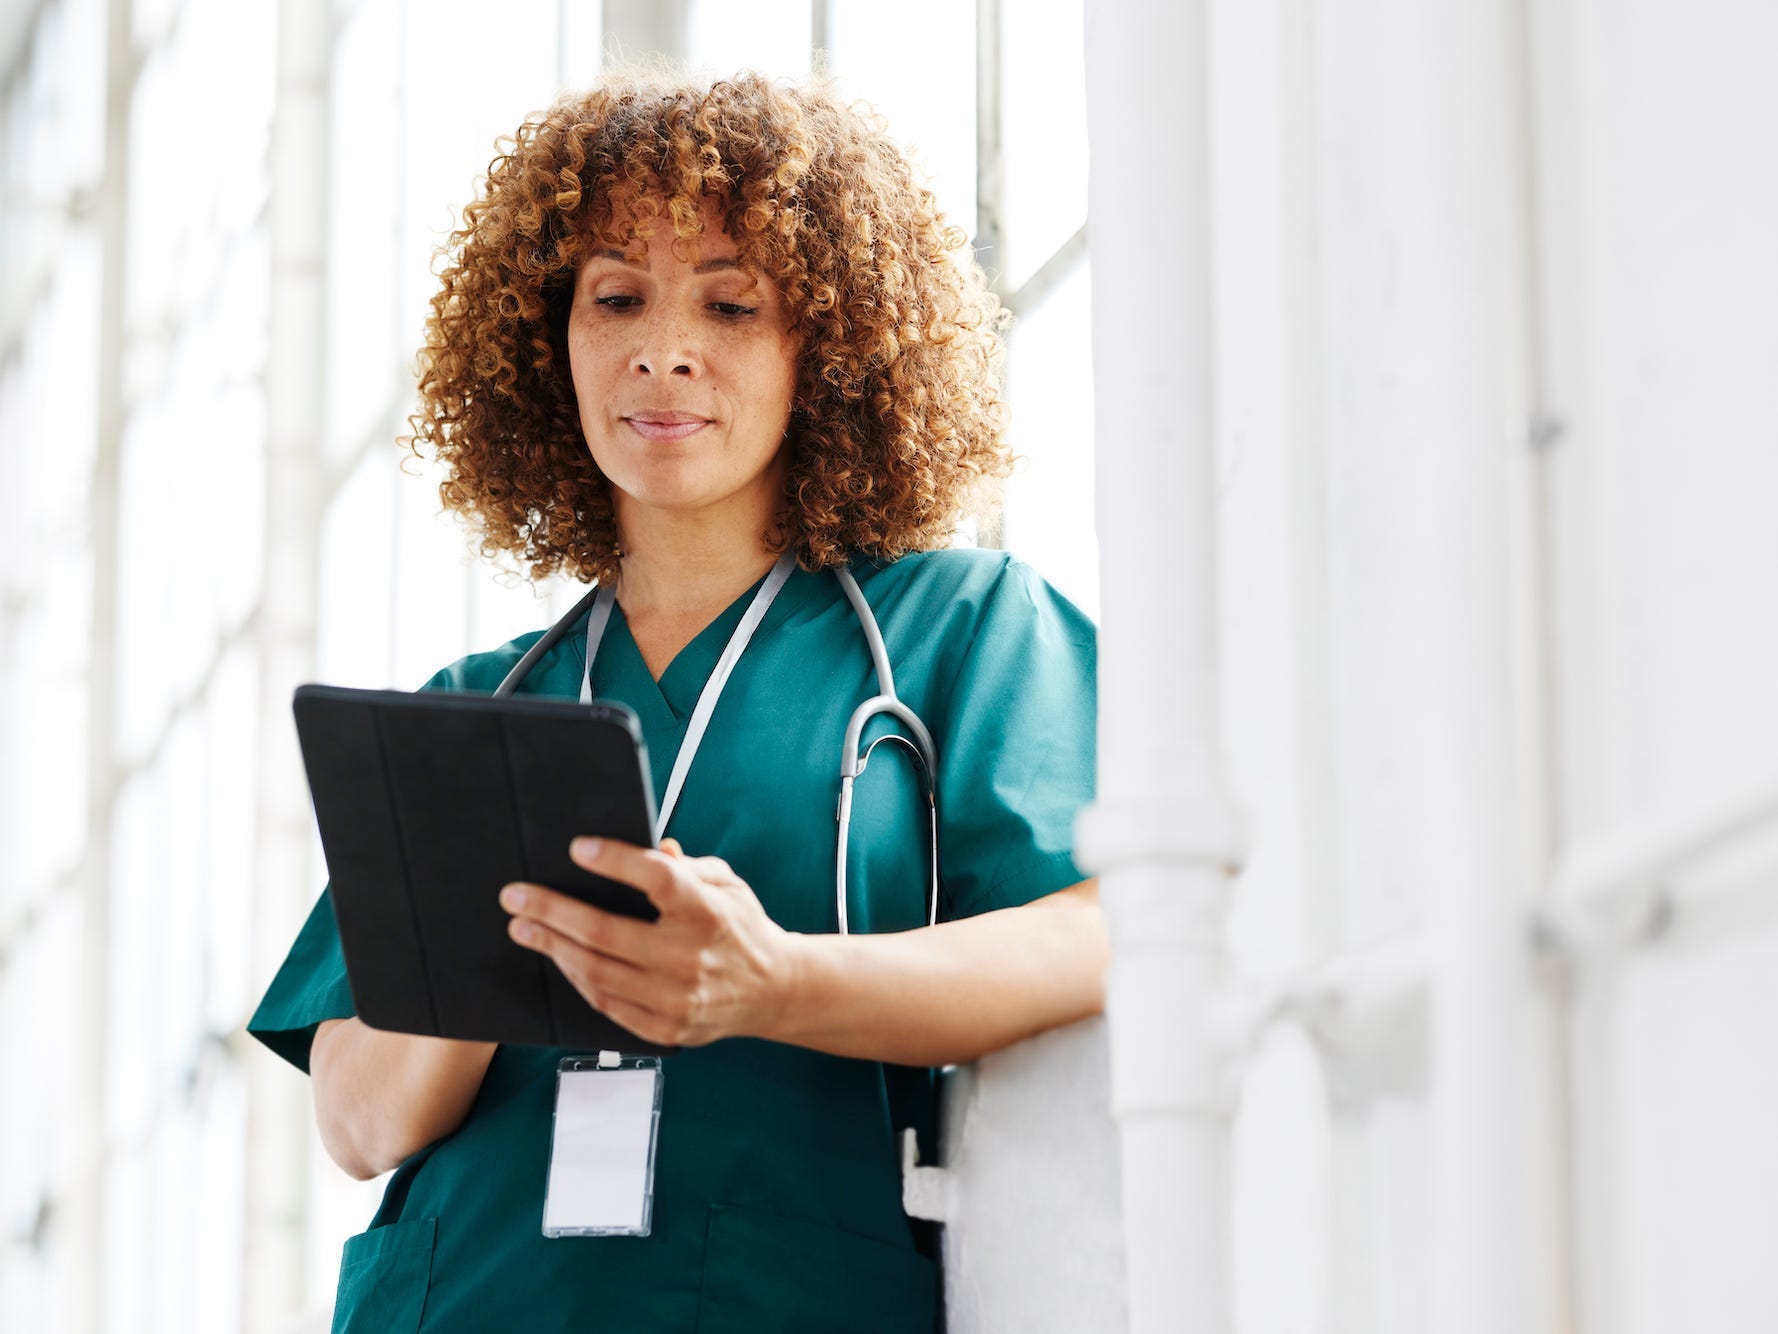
(666, 346)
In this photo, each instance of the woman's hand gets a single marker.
(712, 966)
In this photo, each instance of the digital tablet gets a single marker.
(427, 804)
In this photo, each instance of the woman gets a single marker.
(685, 330)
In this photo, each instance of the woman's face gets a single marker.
(684, 375)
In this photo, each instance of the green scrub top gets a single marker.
(778, 1180)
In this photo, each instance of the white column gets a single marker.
(278, 1137)
(1471, 638)
(1431, 345)
(87, 1232)
(1163, 835)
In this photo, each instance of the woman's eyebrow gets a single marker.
(704, 266)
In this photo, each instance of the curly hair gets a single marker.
(897, 427)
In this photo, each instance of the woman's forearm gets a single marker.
(382, 1097)
(948, 994)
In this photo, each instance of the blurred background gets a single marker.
(216, 247)
(217, 225)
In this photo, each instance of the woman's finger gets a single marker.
(599, 978)
(646, 869)
(613, 934)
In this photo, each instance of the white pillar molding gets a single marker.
(1163, 835)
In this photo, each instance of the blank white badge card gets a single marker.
(601, 1161)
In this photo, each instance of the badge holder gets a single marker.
(601, 1155)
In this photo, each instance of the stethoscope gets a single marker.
(596, 608)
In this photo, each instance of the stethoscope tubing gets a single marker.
(854, 756)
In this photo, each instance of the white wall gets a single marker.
(1637, 516)
(1666, 504)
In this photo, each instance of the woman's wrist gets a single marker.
(798, 990)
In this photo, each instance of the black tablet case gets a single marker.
(427, 804)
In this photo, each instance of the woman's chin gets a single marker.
(680, 497)
(681, 488)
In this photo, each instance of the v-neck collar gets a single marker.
(683, 680)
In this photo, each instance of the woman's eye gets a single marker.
(616, 302)
(733, 309)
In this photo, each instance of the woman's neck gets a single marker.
(686, 585)
(676, 568)
(670, 595)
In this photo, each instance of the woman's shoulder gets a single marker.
(966, 588)
(950, 573)
(479, 673)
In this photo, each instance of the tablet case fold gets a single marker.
(427, 804)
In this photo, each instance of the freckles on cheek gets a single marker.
(587, 354)
(589, 386)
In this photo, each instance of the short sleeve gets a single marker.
(1017, 748)
(310, 986)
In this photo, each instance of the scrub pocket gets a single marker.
(766, 1272)
(384, 1274)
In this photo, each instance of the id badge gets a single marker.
(601, 1153)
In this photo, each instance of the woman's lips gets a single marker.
(666, 429)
